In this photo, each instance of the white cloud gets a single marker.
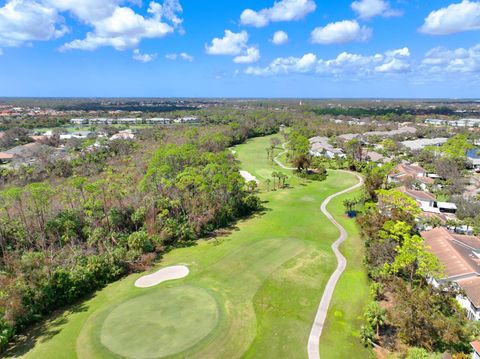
(86, 10)
(183, 56)
(393, 66)
(252, 55)
(231, 44)
(366, 9)
(286, 65)
(347, 65)
(234, 44)
(340, 32)
(138, 56)
(442, 60)
(282, 10)
(23, 21)
(280, 37)
(123, 29)
(464, 16)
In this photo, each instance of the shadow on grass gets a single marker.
(42, 332)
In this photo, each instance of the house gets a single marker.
(79, 121)
(476, 349)
(406, 174)
(405, 131)
(460, 257)
(435, 122)
(5, 157)
(123, 135)
(429, 204)
(474, 158)
(320, 147)
(421, 143)
(158, 121)
(31, 153)
(129, 121)
(376, 157)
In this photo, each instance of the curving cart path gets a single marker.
(313, 346)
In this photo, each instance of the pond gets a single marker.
(474, 153)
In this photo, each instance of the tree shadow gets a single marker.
(42, 332)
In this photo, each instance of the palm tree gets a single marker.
(268, 181)
(376, 316)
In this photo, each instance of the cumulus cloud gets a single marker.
(182, 56)
(124, 29)
(286, 65)
(230, 44)
(282, 10)
(138, 56)
(252, 55)
(461, 60)
(234, 44)
(341, 32)
(366, 9)
(344, 65)
(280, 37)
(23, 21)
(464, 16)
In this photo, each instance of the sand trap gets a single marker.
(164, 274)
(247, 176)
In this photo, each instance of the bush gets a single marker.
(140, 241)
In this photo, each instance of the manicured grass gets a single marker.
(168, 319)
(341, 334)
(266, 278)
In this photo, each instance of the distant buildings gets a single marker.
(132, 121)
(464, 122)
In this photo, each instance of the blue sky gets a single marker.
(192, 48)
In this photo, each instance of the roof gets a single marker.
(457, 258)
(404, 172)
(28, 150)
(476, 346)
(5, 156)
(471, 287)
(417, 195)
(424, 142)
(375, 156)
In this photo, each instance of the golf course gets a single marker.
(250, 293)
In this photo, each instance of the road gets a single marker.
(313, 346)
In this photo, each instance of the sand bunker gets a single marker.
(247, 176)
(164, 274)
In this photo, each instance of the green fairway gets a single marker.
(252, 293)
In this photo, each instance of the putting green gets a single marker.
(161, 323)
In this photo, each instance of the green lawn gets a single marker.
(250, 294)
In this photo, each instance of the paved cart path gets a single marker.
(313, 346)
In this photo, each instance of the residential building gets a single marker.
(407, 174)
(424, 142)
(428, 203)
(320, 147)
(460, 257)
(79, 121)
(476, 349)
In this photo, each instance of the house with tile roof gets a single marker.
(460, 257)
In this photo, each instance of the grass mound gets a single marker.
(161, 323)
